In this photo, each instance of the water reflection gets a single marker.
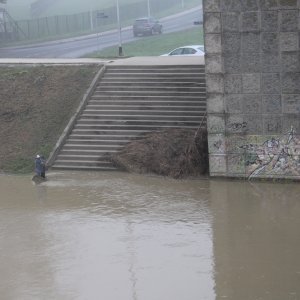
(122, 236)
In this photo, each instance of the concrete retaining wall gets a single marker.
(253, 87)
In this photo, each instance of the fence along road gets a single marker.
(77, 47)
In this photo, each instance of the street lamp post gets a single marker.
(149, 11)
(119, 28)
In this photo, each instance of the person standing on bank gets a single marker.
(40, 166)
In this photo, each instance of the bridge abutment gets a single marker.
(253, 87)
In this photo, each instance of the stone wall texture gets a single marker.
(253, 87)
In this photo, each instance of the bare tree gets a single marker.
(3, 1)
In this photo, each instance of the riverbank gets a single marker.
(36, 105)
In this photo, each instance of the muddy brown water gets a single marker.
(118, 236)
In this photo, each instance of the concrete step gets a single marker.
(140, 109)
(104, 123)
(132, 127)
(81, 146)
(158, 87)
(166, 112)
(111, 132)
(117, 83)
(149, 97)
(76, 141)
(165, 68)
(86, 152)
(127, 118)
(83, 163)
(93, 158)
(152, 79)
(84, 168)
(153, 74)
(98, 136)
(159, 72)
(153, 93)
(168, 102)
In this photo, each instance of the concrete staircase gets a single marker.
(128, 102)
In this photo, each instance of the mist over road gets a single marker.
(77, 47)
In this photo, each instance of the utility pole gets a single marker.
(149, 11)
(119, 28)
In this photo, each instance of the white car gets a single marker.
(192, 50)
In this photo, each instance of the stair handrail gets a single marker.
(73, 119)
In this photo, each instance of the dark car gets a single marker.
(146, 26)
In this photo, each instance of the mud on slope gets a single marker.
(36, 105)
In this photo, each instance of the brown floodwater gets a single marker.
(118, 236)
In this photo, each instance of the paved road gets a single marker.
(77, 47)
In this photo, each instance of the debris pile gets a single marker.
(177, 153)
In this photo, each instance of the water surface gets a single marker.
(120, 236)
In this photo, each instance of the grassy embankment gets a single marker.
(36, 105)
(155, 45)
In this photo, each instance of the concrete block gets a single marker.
(230, 22)
(215, 123)
(291, 122)
(291, 104)
(213, 43)
(236, 165)
(250, 42)
(270, 42)
(213, 63)
(235, 124)
(251, 83)
(232, 63)
(214, 83)
(271, 104)
(251, 62)
(231, 42)
(231, 5)
(290, 83)
(216, 144)
(235, 143)
(253, 123)
(217, 165)
(269, 20)
(212, 23)
(252, 104)
(270, 62)
(211, 5)
(288, 4)
(290, 61)
(233, 103)
(268, 4)
(250, 21)
(289, 41)
(289, 20)
(272, 124)
(270, 83)
(215, 103)
(232, 84)
(249, 5)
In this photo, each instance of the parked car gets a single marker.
(146, 26)
(191, 50)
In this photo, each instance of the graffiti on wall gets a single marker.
(275, 156)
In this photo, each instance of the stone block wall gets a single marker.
(253, 87)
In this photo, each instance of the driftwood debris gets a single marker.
(177, 153)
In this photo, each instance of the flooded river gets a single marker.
(117, 236)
